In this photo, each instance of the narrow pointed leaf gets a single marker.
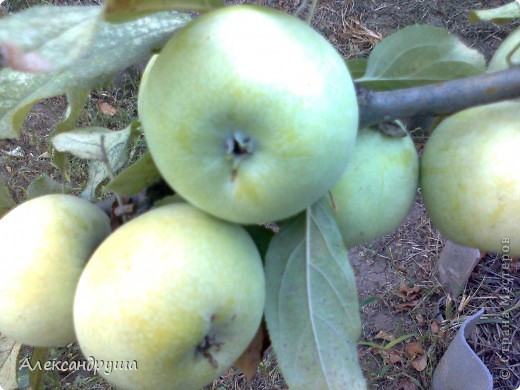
(117, 11)
(136, 177)
(115, 47)
(76, 99)
(64, 35)
(312, 308)
(502, 14)
(417, 55)
(357, 67)
(38, 359)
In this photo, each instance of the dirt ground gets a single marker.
(396, 275)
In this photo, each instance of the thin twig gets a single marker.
(437, 99)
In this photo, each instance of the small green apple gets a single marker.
(499, 60)
(176, 291)
(45, 243)
(470, 177)
(378, 187)
(249, 114)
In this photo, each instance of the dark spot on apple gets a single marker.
(208, 343)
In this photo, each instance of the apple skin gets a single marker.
(160, 286)
(378, 187)
(45, 244)
(470, 177)
(249, 114)
(498, 61)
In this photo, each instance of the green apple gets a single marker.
(176, 291)
(45, 243)
(378, 187)
(249, 114)
(499, 60)
(470, 177)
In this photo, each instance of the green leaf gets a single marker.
(136, 177)
(357, 67)
(9, 351)
(312, 308)
(44, 185)
(418, 55)
(76, 101)
(116, 47)
(6, 201)
(117, 11)
(39, 355)
(502, 14)
(91, 143)
(262, 236)
(62, 37)
(107, 149)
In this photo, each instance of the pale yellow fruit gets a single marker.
(45, 243)
(249, 113)
(378, 187)
(470, 178)
(176, 290)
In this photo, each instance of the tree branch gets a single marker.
(437, 99)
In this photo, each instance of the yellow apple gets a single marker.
(249, 114)
(45, 243)
(378, 187)
(176, 291)
(470, 178)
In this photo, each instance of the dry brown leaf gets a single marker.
(382, 335)
(250, 359)
(107, 109)
(420, 319)
(434, 327)
(392, 356)
(414, 349)
(400, 307)
(420, 362)
(409, 289)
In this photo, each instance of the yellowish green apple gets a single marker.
(45, 243)
(378, 187)
(509, 49)
(176, 291)
(470, 178)
(249, 114)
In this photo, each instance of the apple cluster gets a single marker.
(250, 116)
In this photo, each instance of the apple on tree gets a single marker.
(176, 290)
(45, 244)
(378, 187)
(470, 177)
(249, 114)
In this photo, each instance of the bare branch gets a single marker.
(437, 99)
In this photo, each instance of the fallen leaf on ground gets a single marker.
(419, 363)
(414, 349)
(392, 356)
(107, 109)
